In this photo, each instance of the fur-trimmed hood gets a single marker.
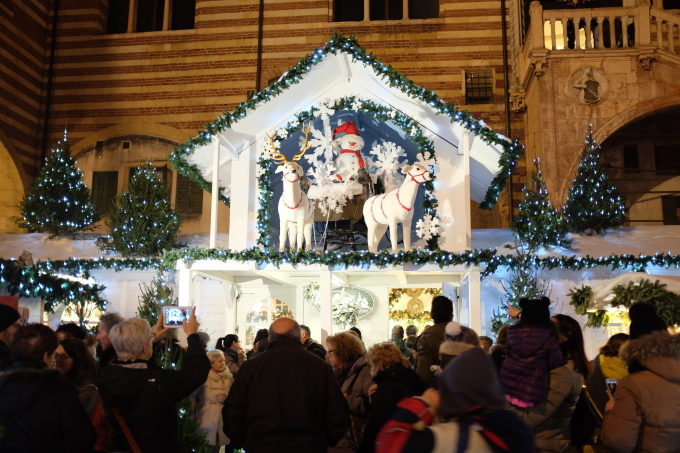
(659, 352)
(454, 348)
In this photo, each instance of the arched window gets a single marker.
(261, 315)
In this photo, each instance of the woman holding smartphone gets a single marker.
(643, 415)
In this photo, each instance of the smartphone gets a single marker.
(175, 316)
(611, 385)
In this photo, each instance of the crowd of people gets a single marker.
(445, 390)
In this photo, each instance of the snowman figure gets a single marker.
(349, 164)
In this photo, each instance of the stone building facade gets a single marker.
(131, 79)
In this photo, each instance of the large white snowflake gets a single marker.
(324, 111)
(427, 227)
(320, 142)
(386, 162)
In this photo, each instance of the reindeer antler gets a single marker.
(276, 155)
(305, 130)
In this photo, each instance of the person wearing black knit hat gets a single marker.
(10, 320)
(644, 320)
(473, 412)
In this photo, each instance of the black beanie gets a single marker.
(7, 316)
(644, 320)
(535, 311)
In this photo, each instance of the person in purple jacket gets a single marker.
(532, 352)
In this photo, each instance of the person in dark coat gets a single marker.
(10, 320)
(285, 399)
(427, 346)
(394, 380)
(147, 397)
(39, 408)
(532, 352)
(311, 345)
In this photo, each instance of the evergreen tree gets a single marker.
(538, 224)
(593, 204)
(59, 203)
(523, 282)
(169, 355)
(142, 221)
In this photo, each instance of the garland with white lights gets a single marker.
(338, 44)
(410, 127)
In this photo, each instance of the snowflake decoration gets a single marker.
(386, 162)
(356, 105)
(426, 159)
(259, 171)
(283, 133)
(427, 227)
(324, 111)
(320, 143)
(414, 131)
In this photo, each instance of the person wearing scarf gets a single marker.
(472, 408)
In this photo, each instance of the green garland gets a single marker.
(407, 124)
(512, 151)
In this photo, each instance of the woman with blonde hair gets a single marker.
(210, 399)
(393, 380)
(347, 355)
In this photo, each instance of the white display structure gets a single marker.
(465, 167)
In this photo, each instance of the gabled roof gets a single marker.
(343, 69)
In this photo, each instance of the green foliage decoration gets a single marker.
(511, 153)
(538, 224)
(667, 303)
(59, 203)
(593, 203)
(142, 221)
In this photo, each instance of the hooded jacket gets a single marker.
(427, 346)
(147, 399)
(40, 411)
(646, 413)
(531, 353)
(394, 384)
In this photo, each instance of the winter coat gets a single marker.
(531, 353)
(147, 399)
(208, 410)
(88, 394)
(596, 381)
(409, 431)
(285, 400)
(234, 360)
(40, 412)
(427, 346)
(6, 359)
(646, 413)
(358, 398)
(399, 342)
(315, 348)
(394, 384)
(549, 419)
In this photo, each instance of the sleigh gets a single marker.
(344, 227)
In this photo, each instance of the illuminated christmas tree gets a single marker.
(593, 204)
(538, 224)
(142, 221)
(59, 203)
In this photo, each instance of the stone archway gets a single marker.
(12, 190)
(602, 133)
(148, 129)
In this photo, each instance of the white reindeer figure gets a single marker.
(394, 207)
(296, 213)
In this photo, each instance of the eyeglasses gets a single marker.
(61, 356)
(330, 351)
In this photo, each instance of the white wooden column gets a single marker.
(184, 282)
(244, 200)
(471, 296)
(325, 288)
(466, 145)
(215, 193)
